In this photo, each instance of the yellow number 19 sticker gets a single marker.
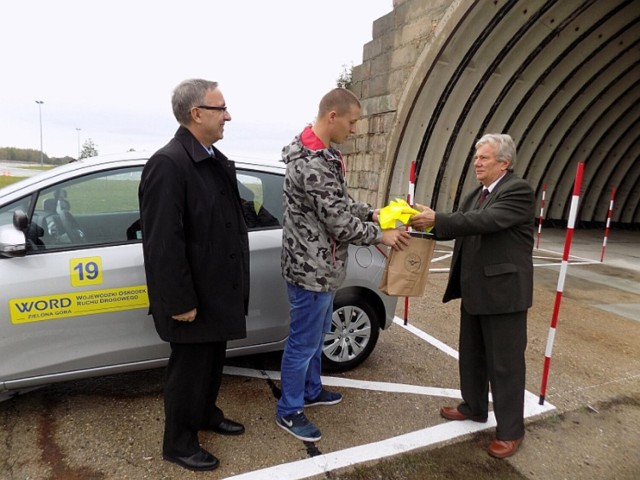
(86, 271)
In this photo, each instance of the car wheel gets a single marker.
(355, 328)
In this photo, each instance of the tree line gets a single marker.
(29, 155)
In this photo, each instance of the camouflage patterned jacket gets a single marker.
(320, 218)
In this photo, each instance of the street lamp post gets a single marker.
(40, 102)
(78, 130)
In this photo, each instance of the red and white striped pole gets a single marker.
(410, 199)
(544, 191)
(412, 184)
(606, 230)
(563, 272)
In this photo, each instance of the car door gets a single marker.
(77, 301)
(268, 319)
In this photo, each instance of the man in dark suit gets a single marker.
(492, 272)
(196, 255)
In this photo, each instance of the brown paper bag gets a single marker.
(406, 271)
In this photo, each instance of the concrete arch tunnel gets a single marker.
(562, 77)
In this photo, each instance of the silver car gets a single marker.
(73, 298)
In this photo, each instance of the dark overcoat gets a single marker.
(196, 249)
(492, 266)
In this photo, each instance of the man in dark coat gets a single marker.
(492, 272)
(196, 255)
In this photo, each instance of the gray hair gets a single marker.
(504, 145)
(189, 94)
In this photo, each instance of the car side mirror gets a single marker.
(13, 241)
(20, 220)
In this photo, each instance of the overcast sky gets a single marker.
(109, 67)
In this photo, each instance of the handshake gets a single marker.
(399, 213)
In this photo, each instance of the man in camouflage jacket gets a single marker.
(320, 221)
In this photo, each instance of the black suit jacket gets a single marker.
(492, 266)
(196, 249)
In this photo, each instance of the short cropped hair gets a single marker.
(504, 145)
(339, 99)
(189, 94)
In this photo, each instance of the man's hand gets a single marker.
(396, 239)
(425, 219)
(189, 316)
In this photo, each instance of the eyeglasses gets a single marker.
(208, 107)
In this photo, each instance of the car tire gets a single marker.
(355, 328)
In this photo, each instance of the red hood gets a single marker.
(311, 140)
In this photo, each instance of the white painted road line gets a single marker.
(357, 384)
(327, 462)
(426, 437)
(573, 259)
(443, 257)
(428, 338)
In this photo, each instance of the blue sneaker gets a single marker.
(299, 426)
(325, 398)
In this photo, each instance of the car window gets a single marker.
(101, 208)
(261, 195)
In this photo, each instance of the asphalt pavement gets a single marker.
(111, 427)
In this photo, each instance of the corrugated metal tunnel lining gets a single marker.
(561, 77)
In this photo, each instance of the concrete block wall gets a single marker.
(398, 38)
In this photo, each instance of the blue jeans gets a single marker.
(311, 314)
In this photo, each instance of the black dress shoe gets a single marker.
(199, 461)
(227, 427)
